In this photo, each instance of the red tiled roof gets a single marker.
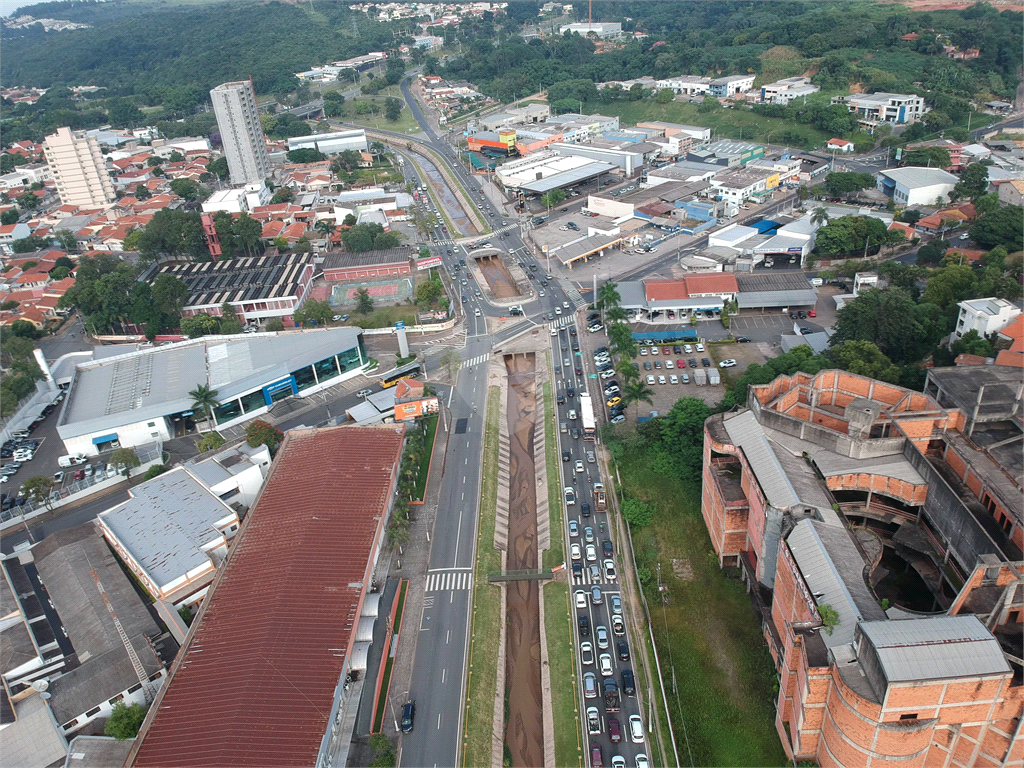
(1015, 333)
(965, 359)
(665, 290)
(1011, 358)
(711, 283)
(272, 229)
(294, 231)
(255, 684)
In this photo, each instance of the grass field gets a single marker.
(555, 555)
(726, 123)
(483, 656)
(421, 480)
(562, 666)
(383, 317)
(709, 639)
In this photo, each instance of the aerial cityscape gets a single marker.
(511, 384)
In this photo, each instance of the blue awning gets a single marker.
(104, 439)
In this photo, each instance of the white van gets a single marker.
(71, 460)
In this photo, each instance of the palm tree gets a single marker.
(626, 370)
(819, 215)
(205, 399)
(608, 295)
(326, 226)
(615, 313)
(636, 391)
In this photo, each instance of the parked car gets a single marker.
(730, 363)
(589, 685)
(408, 715)
(636, 729)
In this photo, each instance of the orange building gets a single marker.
(815, 491)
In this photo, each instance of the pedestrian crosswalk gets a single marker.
(575, 296)
(446, 581)
(470, 245)
(474, 361)
(561, 322)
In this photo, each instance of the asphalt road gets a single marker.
(599, 525)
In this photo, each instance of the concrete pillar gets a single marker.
(403, 343)
(974, 412)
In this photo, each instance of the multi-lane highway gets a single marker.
(604, 647)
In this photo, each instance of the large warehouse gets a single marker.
(143, 396)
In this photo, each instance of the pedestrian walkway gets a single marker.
(449, 581)
(475, 361)
(575, 296)
(561, 322)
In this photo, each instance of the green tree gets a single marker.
(154, 471)
(247, 232)
(973, 181)
(66, 240)
(429, 291)
(665, 95)
(451, 361)
(608, 295)
(27, 201)
(637, 392)
(210, 441)
(710, 104)
(169, 294)
(819, 215)
(393, 109)
(553, 198)
(383, 752)
(10, 216)
(972, 344)
(950, 285)
(364, 304)
(124, 722)
(275, 325)
(1002, 227)
(933, 157)
(204, 399)
(863, 358)
(199, 325)
(38, 489)
(887, 318)
(306, 155)
(844, 183)
(189, 189)
(683, 433)
(313, 311)
(620, 337)
(260, 432)
(126, 456)
(637, 513)
(219, 168)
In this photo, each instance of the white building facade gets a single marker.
(986, 316)
(238, 120)
(78, 169)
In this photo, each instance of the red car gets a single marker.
(80, 474)
(666, 350)
(811, 313)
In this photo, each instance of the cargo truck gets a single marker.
(600, 497)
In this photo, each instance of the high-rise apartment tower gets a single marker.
(78, 168)
(238, 119)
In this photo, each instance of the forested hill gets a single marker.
(144, 49)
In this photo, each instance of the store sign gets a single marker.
(415, 409)
(433, 261)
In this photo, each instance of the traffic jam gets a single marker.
(614, 725)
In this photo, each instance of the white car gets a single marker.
(22, 455)
(590, 457)
(727, 363)
(608, 374)
(643, 351)
(364, 393)
(661, 379)
(700, 347)
(570, 496)
(579, 466)
(111, 470)
(687, 349)
(593, 721)
(618, 419)
(669, 364)
(650, 379)
(581, 598)
(586, 653)
(641, 761)
(591, 553)
(609, 569)
(605, 662)
(618, 626)
(636, 729)
(575, 552)
(595, 328)
(673, 379)
(565, 304)
(558, 310)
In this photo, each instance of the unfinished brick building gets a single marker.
(815, 490)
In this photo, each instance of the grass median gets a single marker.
(485, 633)
(555, 554)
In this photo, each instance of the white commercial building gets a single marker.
(984, 316)
(724, 87)
(238, 120)
(874, 108)
(602, 29)
(79, 169)
(24, 176)
(916, 186)
(143, 396)
(785, 90)
(684, 85)
(331, 143)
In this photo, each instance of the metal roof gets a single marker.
(168, 524)
(758, 299)
(565, 178)
(154, 382)
(829, 571)
(745, 432)
(935, 648)
(251, 278)
(912, 176)
(256, 683)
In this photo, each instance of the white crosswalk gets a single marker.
(561, 322)
(575, 297)
(474, 361)
(449, 581)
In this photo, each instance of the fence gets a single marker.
(532, 574)
(149, 455)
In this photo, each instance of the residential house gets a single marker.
(985, 316)
(11, 232)
(839, 145)
(1011, 192)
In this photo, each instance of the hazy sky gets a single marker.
(7, 7)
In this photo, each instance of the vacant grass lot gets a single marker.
(555, 555)
(483, 647)
(727, 123)
(382, 317)
(707, 633)
(562, 663)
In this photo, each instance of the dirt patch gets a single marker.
(856, 88)
(524, 729)
(725, 662)
(812, 71)
(682, 569)
(498, 278)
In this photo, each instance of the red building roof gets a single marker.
(719, 282)
(255, 683)
(665, 290)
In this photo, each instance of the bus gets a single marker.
(587, 416)
(391, 378)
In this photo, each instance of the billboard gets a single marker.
(415, 408)
(433, 261)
